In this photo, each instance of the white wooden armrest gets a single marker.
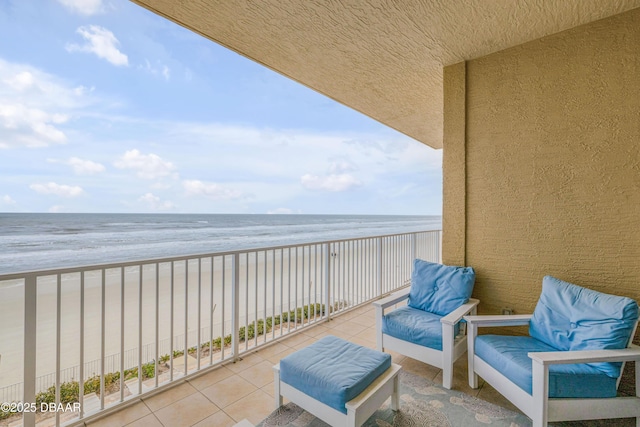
(456, 315)
(392, 299)
(499, 320)
(586, 356)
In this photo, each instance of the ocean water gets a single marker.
(38, 241)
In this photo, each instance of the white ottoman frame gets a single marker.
(359, 409)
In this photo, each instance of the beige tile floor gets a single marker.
(244, 389)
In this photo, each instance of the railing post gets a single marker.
(171, 316)
(327, 281)
(81, 342)
(186, 319)
(414, 239)
(122, 330)
(58, 341)
(379, 267)
(30, 326)
(140, 328)
(102, 336)
(235, 304)
(413, 247)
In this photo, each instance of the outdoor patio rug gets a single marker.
(422, 404)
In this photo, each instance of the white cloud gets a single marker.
(160, 186)
(370, 145)
(209, 189)
(85, 167)
(31, 127)
(101, 42)
(56, 209)
(57, 189)
(161, 70)
(82, 90)
(280, 211)
(34, 105)
(286, 165)
(341, 166)
(26, 85)
(155, 203)
(7, 200)
(147, 166)
(83, 7)
(21, 81)
(333, 182)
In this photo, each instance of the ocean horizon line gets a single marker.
(215, 213)
(44, 241)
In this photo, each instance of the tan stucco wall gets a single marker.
(552, 164)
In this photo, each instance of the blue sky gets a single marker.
(106, 107)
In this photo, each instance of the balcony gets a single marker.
(237, 314)
(102, 337)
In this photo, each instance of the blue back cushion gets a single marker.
(570, 317)
(438, 288)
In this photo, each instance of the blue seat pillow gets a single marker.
(509, 355)
(439, 288)
(416, 326)
(570, 317)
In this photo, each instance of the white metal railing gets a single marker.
(115, 331)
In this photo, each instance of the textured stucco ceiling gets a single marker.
(382, 58)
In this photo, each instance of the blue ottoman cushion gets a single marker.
(416, 326)
(508, 355)
(333, 371)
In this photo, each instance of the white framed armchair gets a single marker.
(570, 365)
(430, 327)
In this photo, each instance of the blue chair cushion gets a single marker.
(570, 317)
(438, 288)
(416, 326)
(508, 355)
(333, 370)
